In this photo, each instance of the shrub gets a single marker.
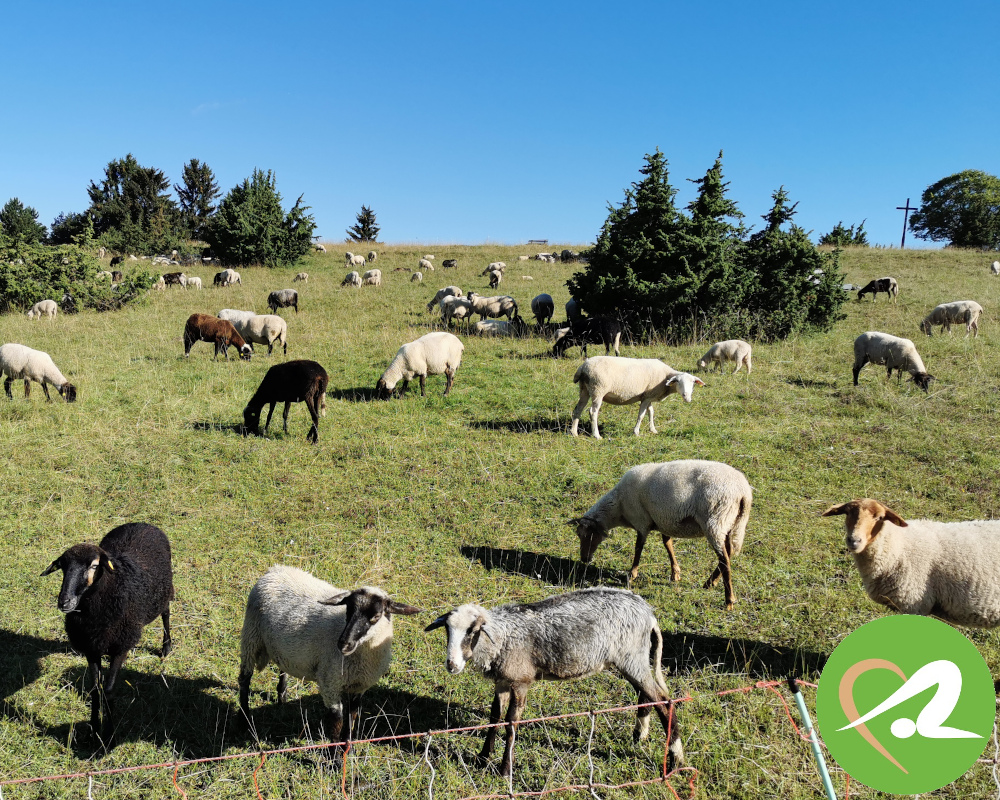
(842, 236)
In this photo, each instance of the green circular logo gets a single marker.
(906, 704)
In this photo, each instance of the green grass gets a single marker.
(448, 500)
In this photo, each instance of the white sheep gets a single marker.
(372, 277)
(425, 266)
(352, 279)
(356, 261)
(731, 350)
(195, 282)
(103, 274)
(47, 307)
(432, 354)
(623, 381)
(429, 258)
(314, 631)
(263, 329)
(372, 255)
(228, 277)
(523, 258)
(455, 308)
(496, 306)
(18, 362)
(319, 248)
(947, 314)
(447, 291)
(236, 316)
(416, 277)
(501, 327)
(995, 268)
(160, 284)
(948, 569)
(682, 500)
(892, 351)
(302, 276)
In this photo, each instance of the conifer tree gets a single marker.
(20, 222)
(365, 230)
(197, 194)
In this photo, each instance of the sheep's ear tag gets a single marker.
(698, 381)
(110, 565)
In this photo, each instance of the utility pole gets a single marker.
(907, 208)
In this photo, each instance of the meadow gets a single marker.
(443, 501)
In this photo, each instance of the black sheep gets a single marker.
(109, 593)
(590, 330)
(291, 382)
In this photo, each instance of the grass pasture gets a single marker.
(449, 500)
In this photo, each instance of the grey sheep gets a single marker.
(447, 291)
(352, 279)
(543, 307)
(283, 298)
(495, 307)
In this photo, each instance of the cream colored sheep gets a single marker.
(457, 308)
(623, 381)
(995, 268)
(263, 329)
(948, 314)
(495, 307)
(893, 352)
(425, 266)
(302, 276)
(19, 362)
(432, 354)
(352, 279)
(372, 277)
(47, 307)
(731, 350)
(195, 282)
(416, 277)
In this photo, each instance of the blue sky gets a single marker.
(470, 122)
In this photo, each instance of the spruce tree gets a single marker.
(197, 194)
(20, 222)
(365, 230)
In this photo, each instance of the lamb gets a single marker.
(425, 266)
(896, 353)
(109, 593)
(372, 277)
(589, 330)
(341, 640)
(457, 308)
(372, 255)
(195, 282)
(47, 307)
(569, 636)
(995, 268)
(291, 382)
(681, 499)
(416, 277)
(283, 298)
(946, 314)
(450, 263)
(175, 279)
(950, 570)
(206, 328)
(19, 362)
(888, 285)
(543, 307)
(263, 329)
(432, 354)
(447, 291)
(732, 350)
(302, 276)
(623, 381)
(495, 307)
(352, 279)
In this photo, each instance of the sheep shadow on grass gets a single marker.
(549, 569)
(686, 653)
(21, 664)
(361, 394)
(219, 427)
(536, 425)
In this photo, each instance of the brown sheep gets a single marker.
(206, 328)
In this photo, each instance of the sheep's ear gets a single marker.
(440, 622)
(698, 381)
(53, 566)
(402, 608)
(335, 600)
(894, 518)
(484, 629)
(833, 511)
(575, 522)
(671, 379)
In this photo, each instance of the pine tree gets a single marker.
(20, 222)
(366, 230)
(197, 194)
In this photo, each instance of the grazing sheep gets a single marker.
(238, 318)
(495, 307)
(116, 260)
(456, 308)
(220, 332)
(341, 640)
(896, 353)
(543, 307)
(573, 310)
(495, 266)
(623, 381)
(425, 266)
(18, 362)
(447, 291)
(501, 327)
(568, 255)
(449, 263)
(302, 276)
(432, 354)
(946, 314)
(888, 285)
(416, 277)
(47, 307)
(195, 282)
(355, 261)
(372, 256)
(319, 248)
(731, 350)
(496, 278)
(372, 277)
(116, 276)
(349, 258)
(683, 499)
(262, 329)
(995, 268)
(160, 285)
(589, 330)
(291, 382)
(103, 274)
(569, 636)
(109, 593)
(950, 570)
(227, 278)
(352, 279)
(283, 298)
(175, 279)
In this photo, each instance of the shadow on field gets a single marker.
(20, 663)
(546, 568)
(685, 653)
(809, 383)
(362, 394)
(536, 425)
(221, 427)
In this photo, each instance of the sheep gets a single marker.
(896, 353)
(355, 261)
(116, 276)
(888, 285)
(457, 308)
(109, 593)
(495, 266)
(569, 636)
(447, 291)
(950, 570)
(283, 298)
(524, 258)
(573, 309)
(103, 274)
(372, 277)
(175, 279)
(568, 255)
(995, 268)
(416, 277)
(227, 277)
(449, 263)
(349, 258)
(946, 314)
(19, 362)
(501, 327)
(352, 279)
(195, 282)
(206, 328)
(238, 318)
(263, 329)
(496, 278)
(623, 381)
(590, 330)
(47, 307)
(432, 354)
(372, 256)
(429, 258)
(543, 308)
(302, 276)
(101, 252)
(734, 350)
(495, 307)
(160, 284)
(291, 382)
(319, 248)
(425, 266)
(682, 499)
(341, 640)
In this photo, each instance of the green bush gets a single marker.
(842, 236)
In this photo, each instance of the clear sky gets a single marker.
(469, 122)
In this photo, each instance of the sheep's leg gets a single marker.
(577, 411)
(423, 380)
(284, 417)
(515, 708)
(450, 375)
(107, 729)
(856, 370)
(724, 571)
(167, 643)
(312, 403)
(501, 698)
(270, 411)
(244, 680)
(595, 409)
(45, 388)
(27, 388)
(675, 568)
(94, 669)
(644, 406)
(640, 542)
(747, 362)
(334, 731)
(282, 686)
(652, 427)
(6, 386)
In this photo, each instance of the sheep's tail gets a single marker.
(250, 640)
(656, 655)
(579, 377)
(734, 539)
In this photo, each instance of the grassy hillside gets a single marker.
(449, 500)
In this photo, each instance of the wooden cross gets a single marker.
(907, 208)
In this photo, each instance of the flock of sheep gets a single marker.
(342, 639)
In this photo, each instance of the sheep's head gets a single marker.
(251, 420)
(684, 383)
(464, 625)
(864, 522)
(925, 327)
(68, 390)
(702, 364)
(383, 390)
(82, 565)
(923, 380)
(365, 608)
(591, 534)
(245, 352)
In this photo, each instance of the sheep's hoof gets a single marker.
(730, 606)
